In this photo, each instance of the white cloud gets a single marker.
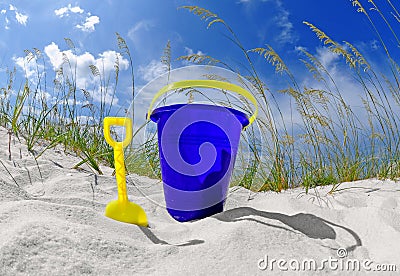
(7, 27)
(300, 48)
(81, 62)
(88, 26)
(286, 34)
(21, 18)
(24, 65)
(55, 55)
(152, 70)
(144, 24)
(140, 36)
(64, 11)
(61, 12)
(90, 20)
(104, 62)
(31, 68)
(75, 9)
(190, 51)
(351, 90)
(327, 58)
(105, 96)
(141, 25)
(374, 44)
(283, 27)
(86, 119)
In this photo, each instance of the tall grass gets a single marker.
(334, 143)
(144, 159)
(67, 116)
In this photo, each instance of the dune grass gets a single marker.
(333, 143)
(45, 121)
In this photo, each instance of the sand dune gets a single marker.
(52, 223)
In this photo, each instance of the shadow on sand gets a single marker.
(310, 225)
(153, 238)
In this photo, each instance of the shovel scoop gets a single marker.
(122, 209)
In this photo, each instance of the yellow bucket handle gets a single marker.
(206, 84)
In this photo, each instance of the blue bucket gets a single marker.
(197, 146)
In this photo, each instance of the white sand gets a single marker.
(57, 227)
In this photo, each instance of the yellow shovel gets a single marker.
(122, 209)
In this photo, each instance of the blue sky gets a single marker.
(148, 25)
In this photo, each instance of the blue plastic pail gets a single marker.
(197, 161)
(197, 147)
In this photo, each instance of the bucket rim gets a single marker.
(245, 122)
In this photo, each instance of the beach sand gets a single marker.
(52, 223)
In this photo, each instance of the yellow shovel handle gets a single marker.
(118, 147)
(120, 174)
(206, 84)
